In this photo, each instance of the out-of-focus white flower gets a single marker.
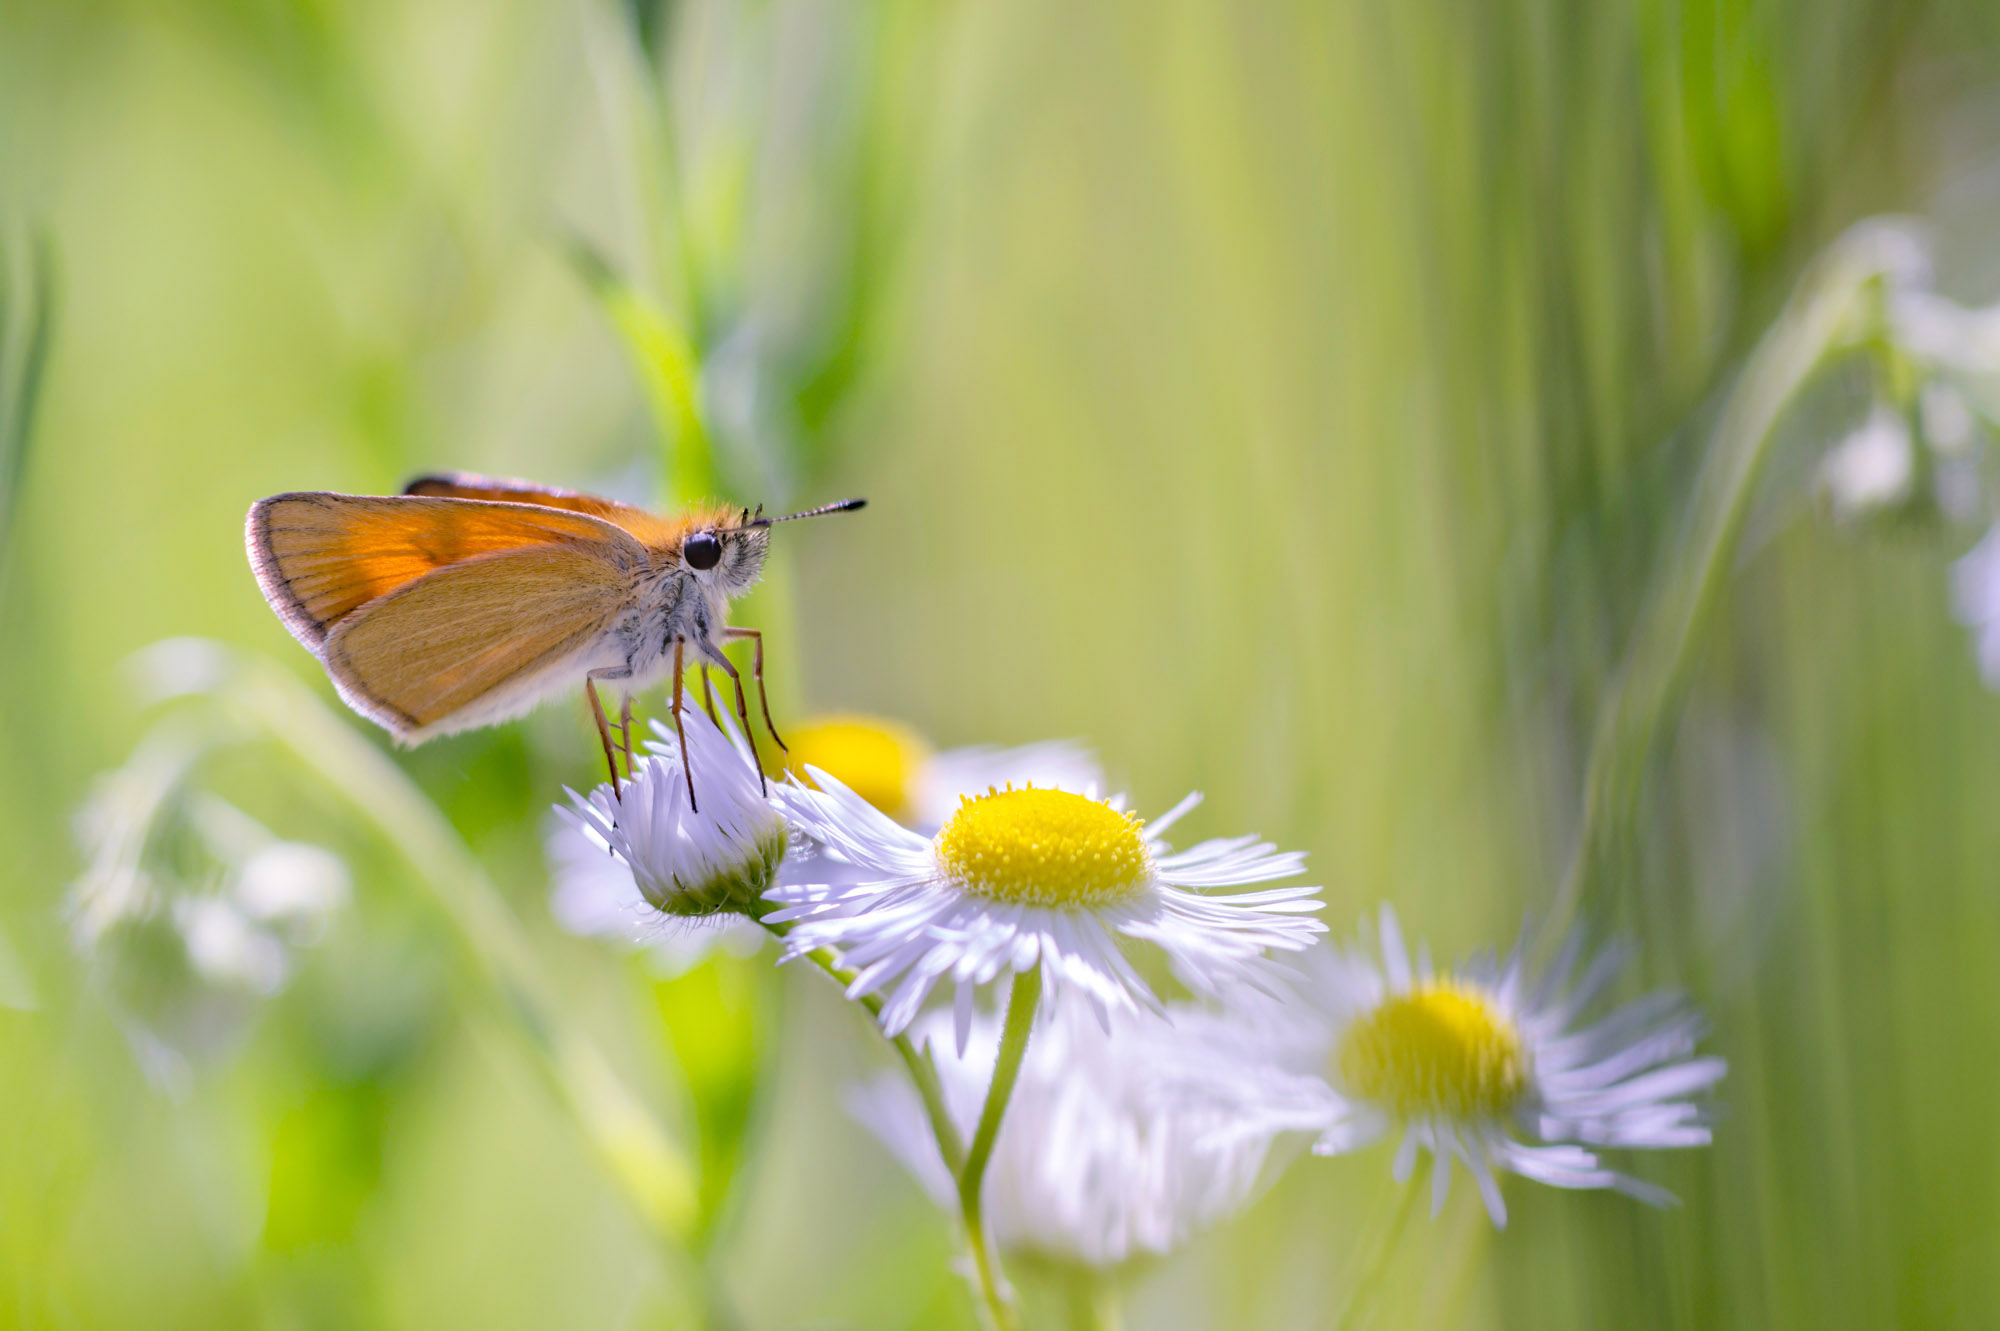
(1950, 428)
(1960, 348)
(1896, 248)
(281, 897)
(1947, 421)
(293, 885)
(1872, 468)
(189, 910)
(1117, 1144)
(227, 947)
(1954, 352)
(1025, 879)
(1943, 334)
(687, 858)
(178, 667)
(1881, 465)
(1490, 1068)
(1941, 362)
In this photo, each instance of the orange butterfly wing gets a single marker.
(641, 525)
(478, 641)
(319, 557)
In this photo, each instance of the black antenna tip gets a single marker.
(759, 520)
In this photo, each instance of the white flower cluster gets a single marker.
(1135, 1122)
(1925, 440)
(188, 910)
(1936, 367)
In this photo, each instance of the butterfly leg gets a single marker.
(757, 673)
(742, 711)
(625, 733)
(680, 731)
(603, 727)
(708, 695)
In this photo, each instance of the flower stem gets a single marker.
(1819, 322)
(968, 1167)
(922, 1072)
(1361, 1293)
(1022, 1001)
(1094, 1303)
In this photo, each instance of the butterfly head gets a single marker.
(728, 555)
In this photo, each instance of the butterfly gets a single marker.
(467, 600)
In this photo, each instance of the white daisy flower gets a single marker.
(1489, 1068)
(892, 766)
(895, 769)
(889, 764)
(1112, 1147)
(1023, 879)
(675, 859)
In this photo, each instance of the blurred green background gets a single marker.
(1294, 402)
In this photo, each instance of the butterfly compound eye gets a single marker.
(703, 550)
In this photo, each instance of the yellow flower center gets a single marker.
(876, 759)
(1443, 1048)
(1044, 848)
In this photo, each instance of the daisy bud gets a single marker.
(682, 861)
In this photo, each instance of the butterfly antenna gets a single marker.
(759, 520)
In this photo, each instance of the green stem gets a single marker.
(1361, 1293)
(922, 1071)
(1463, 1263)
(1094, 1302)
(27, 330)
(1022, 1001)
(1816, 324)
(969, 1168)
(654, 1171)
